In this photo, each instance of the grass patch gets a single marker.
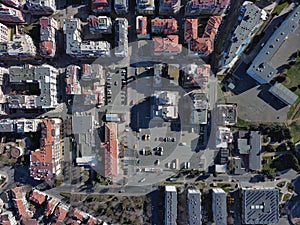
(223, 185)
(65, 194)
(242, 123)
(227, 190)
(293, 83)
(281, 184)
(286, 197)
(290, 187)
(173, 183)
(220, 94)
(201, 185)
(279, 8)
(295, 131)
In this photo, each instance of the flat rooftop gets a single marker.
(260, 206)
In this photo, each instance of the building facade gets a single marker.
(10, 15)
(4, 31)
(21, 47)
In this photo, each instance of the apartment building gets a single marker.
(4, 33)
(170, 216)
(10, 15)
(78, 48)
(20, 47)
(45, 162)
(39, 7)
(121, 37)
(46, 78)
(48, 27)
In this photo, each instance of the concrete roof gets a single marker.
(7, 126)
(170, 205)
(45, 75)
(260, 69)
(219, 206)
(283, 93)
(194, 207)
(255, 151)
(82, 124)
(243, 146)
(121, 37)
(249, 20)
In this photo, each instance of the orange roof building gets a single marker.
(164, 26)
(20, 203)
(101, 6)
(29, 222)
(45, 161)
(61, 212)
(212, 27)
(201, 46)
(48, 28)
(7, 218)
(167, 45)
(141, 27)
(37, 197)
(205, 45)
(51, 205)
(111, 150)
(190, 29)
(80, 215)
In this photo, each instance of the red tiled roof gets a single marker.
(47, 48)
(202, 45)
(86, 68)
(99, 5)
(37, 197)
(111, 150)
(17, 192)
(21, 208)
(141, 27)
(92, 221)
(4, 220)
(44, 22)
(212, 27)
(41, 160)
(168, 44)
(61, 213)
(79, 214)
(30, 222)
(51, 205)
(164, 26)
(93, 21)
(190, 29)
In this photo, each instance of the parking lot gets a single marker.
(116, 87)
